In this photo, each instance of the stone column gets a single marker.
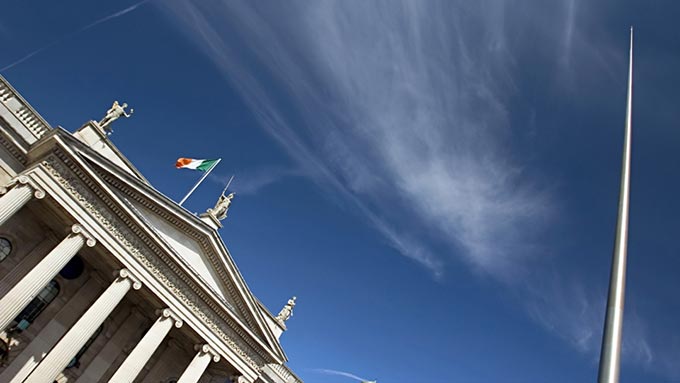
(17, 197)
(26, 264)
(199, 364)
(131, 330)
(134, 362)
(82, 330)
(36, 279)
(49, 335)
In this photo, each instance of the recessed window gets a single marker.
(73, 269)
(5, 248)
(37, 305)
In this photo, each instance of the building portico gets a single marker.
(107, 280)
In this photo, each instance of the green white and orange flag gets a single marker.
(194, 164)
(206, 166)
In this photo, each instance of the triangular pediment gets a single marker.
(194, 244)
(188, 250)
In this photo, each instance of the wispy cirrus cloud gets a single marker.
(569, 30)
(339, 373)
(400, 108)
(72, 34)
(254, 180)
(574, 311)
(392, 110)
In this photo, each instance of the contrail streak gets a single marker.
(68, 35)
(113, 16)
(340, 373)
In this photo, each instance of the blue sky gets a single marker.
(436, 181)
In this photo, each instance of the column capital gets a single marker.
(206, 349)
(79, 229)
(38, 192)
(125, 273)
(167, 313)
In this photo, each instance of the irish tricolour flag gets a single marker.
(206, 166)
(194, 164)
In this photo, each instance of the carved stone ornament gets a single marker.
(89, 239)
(206, 349)
(115, 112)
(23, 179)
(167, 313)
(221, 207)
(287, 310)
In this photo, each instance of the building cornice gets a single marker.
(13, 147)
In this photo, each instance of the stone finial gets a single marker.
(114, 113)
(287, 310)
(219, 212)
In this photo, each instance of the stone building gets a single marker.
(104, 279)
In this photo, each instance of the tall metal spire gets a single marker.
(610, 356)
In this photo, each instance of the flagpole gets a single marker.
(610, 356)
(228, 183)
(199, 181)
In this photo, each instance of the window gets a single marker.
(37, 305)
(5, 248)
(73, 269)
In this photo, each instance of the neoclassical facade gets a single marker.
(104, 279)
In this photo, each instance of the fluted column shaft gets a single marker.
(199, 364)
(36, 279)
(141, 354)
(69, 345)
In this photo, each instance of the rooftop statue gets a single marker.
(221, 207)
(114, 113)
(287, 310)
